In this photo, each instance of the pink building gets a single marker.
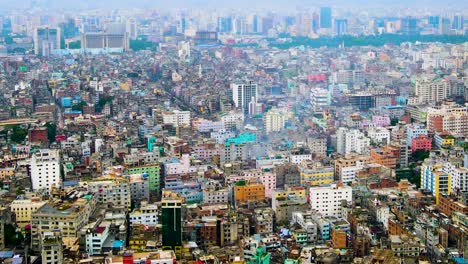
(422, 142)
(381, 121)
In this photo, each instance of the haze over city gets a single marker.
(233, 132)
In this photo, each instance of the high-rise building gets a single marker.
(274, 120)
(457, 22)
(171, 220)
(433, 90)
(243, 94)
(45, 170)
(46, 40)
(351, 141)
(325, 17)
(328, 200)
(341, 27)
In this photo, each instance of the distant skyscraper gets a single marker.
(325, 17)
(46, 40)
(341, 27)
(457, 22)
(243, 94)
(315, 22)
(409, 26)
(434, 21)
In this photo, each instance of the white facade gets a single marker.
(348, 174)
(243, 94)
(274, 120)
(177, 118)
(45, 170)
(96, 238)
(459, 177)
(383, 213)
(146, 215)
(112, 190)
(351, 141)
(319, 98)
(233, 120)
(432, 91)
(328, 199)
(213, 196)
(299, 158)
(379, 135)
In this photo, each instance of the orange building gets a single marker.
(339, 238)
(396, 228)
(449, 205)
(248, 191)
(384, 156)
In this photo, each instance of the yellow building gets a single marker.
(24, 209)
(314, 173)
(248, 191)
(298, 192)
(441, 184)
(6, 172)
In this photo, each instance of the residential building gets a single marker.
(24, 208)
(177, 118)
(245, 191)
(351, 141)
(45, 170)
(286, 202)
(274, 121)
(328, 200)
(421, 142)
(429, 91)
(68, 216)
(305, 220)
(315, 173)
(458, 176)
(434, 179)
(139, 187)
(414, 131)
(146, 214)
(243, 94)
(52, 248)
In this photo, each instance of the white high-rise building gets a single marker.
(431, 91)
(243, 94)
(46, 40)
(319, 98)
(351, 141)
(274, 120)
(45, 169)
(379, 135)
(458, 177)
(327, 200)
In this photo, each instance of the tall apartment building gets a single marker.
(68, 216)
(245, 191)
(114, 190)
(147, 214)
(243, 94)
(449, 117)
(328, 200)
(458, 177)
(432, 91)
(351, 141)
(46, 40)
(45, 170)
(317, 146)
(171, 220)
(319, 98)
(274, 121)
(434, 179)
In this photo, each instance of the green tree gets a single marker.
(420, 155)
(74, 45)
(18, 134)
(51, 131)
(12, 238)
(79, 106)
(394, 121)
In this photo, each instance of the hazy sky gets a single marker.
(461, 5)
